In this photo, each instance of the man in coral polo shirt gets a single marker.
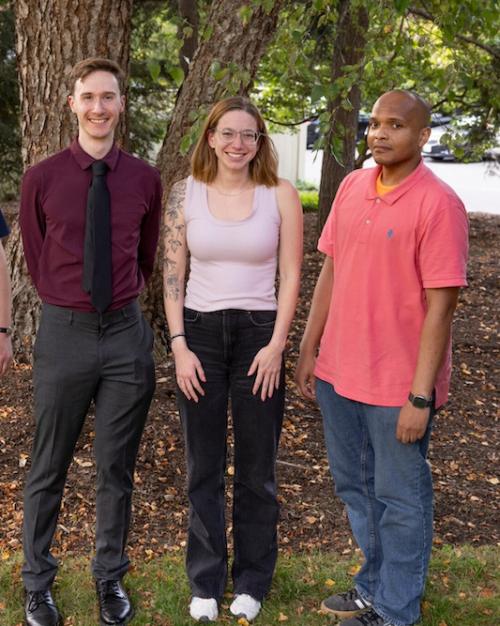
(396, 250)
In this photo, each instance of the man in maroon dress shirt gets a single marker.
(87, 353)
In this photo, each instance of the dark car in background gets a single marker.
(436, 147)
(313, 130)
(443, 126)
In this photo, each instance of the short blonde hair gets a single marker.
(263, 167)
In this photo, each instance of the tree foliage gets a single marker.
(10, 141)
(155, 74)
(448, 51)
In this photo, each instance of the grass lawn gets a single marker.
(462, 590)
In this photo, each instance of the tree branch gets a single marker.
(398, 37)
(494, 51)
(307, 119)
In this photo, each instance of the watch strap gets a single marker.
(420, 402)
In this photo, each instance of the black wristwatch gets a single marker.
(420, 402)
(6, 330)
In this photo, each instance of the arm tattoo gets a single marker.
(172, 288)
(173, 234)
(170, 280)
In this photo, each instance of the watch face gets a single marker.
(420, 402)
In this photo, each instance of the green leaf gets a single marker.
(336, 149)
(245, 14)
(317, 92)
(267, 5)
(185, 144)
(219, 74)
(401, 5)
(177, 75)
(207, 34)
(215, 67)
(154, 68)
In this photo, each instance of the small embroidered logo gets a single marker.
(390, 233)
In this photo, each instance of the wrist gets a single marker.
(179, 344)
(307, 347)
(278, 344)
(176, 335)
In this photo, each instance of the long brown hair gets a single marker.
(263, 167)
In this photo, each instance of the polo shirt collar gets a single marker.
(84, 159)
(405, 185)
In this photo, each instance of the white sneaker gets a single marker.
(203, 609)
(245, 606)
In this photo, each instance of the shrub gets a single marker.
(309, 200)
(304, 185)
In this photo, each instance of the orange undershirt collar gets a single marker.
(381, 188)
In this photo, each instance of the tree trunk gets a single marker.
(235, 44)
(349, 49)
(52, 35)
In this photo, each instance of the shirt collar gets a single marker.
(84, 159)
(405, 185)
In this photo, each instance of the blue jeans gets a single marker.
(387, 489)
(226, 343)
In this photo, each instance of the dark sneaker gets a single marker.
(114, 605)
(347, 604)
(368, 618)
(40, 609)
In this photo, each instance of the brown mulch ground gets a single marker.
(463, 451)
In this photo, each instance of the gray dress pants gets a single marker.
(79, 358)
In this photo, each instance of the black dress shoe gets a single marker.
(115, 607)
(40, 609)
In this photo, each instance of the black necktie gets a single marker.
(97, 270)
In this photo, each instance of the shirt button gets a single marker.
(377, 200)
(368, 221)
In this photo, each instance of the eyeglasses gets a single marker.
(248, 137)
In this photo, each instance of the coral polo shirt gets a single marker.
(386, 251)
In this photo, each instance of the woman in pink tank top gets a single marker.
(238, 224)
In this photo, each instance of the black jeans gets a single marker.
(80, 357)
(226, 343)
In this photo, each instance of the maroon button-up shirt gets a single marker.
(52, 219)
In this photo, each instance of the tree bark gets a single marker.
(52, 35)
(189, 13)
(233, 42)
(349, 49)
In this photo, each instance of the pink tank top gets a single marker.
(233, 263)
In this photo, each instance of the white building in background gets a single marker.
(291, 148)
(296, 162)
